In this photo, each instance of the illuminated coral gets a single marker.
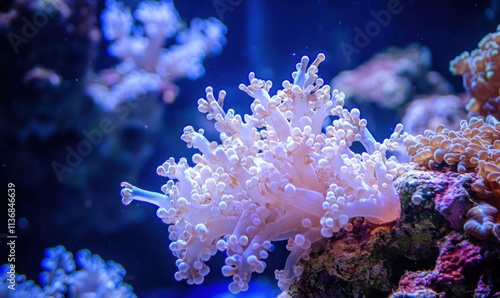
(146, 66)
(481, 75)
(276, 175)
(475, 147)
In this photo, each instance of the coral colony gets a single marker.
(146, 66)
(276, 175)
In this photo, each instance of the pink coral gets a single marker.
(392, 78)
(274, 176)
(429, 112)
(455, 256)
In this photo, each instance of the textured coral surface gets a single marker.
(421, 255)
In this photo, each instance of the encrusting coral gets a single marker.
(454, 274)
(429, 112)
(276, 175)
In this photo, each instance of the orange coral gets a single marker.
(475, 147)
(481, 74)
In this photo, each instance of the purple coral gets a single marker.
(457, 270)
(392, 78)
(430, 111)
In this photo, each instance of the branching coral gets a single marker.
(276, 176)
(481, 75)
(147, 66)
(430, 111)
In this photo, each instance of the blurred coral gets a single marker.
(481, 221)
(431, 111)
(275, 176)
(455, 272)
(392, 78)
(481, 76)
(146, 66)
(95, 278)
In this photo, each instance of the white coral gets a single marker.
(276, 176)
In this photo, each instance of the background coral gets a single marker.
(429, 112)
(480, 75)
(60, 278)
(40, 94)
(139, 39)
(392, 78)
